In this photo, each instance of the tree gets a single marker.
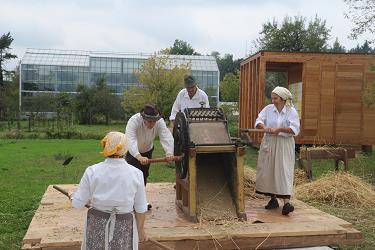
(230, 87)
(84, 103)
(40, 103)
(362, 14)
(64, 110)
(97, 101)
(105, 102)
(337, 47)
(274, 79)
(364, 48)
(9, 96)
(180, 48)
(293, 35)
(160, 83)
(5, 42)
(226, 64)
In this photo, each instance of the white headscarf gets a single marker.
(285, 94)
(115, 143)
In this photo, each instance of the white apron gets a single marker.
(275, 167)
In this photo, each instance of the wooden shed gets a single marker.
(328, 94)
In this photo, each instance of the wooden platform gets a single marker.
(58, 226)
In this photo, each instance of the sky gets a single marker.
(147, 26)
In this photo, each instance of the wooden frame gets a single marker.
(338, 154)
(186, 189)
(332, 88)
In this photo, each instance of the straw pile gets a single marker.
(250, 179)
(300, 177)
(338, 189)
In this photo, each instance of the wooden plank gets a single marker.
(239, 179)
(241, 230)
(254, 243)
(192, 183)
(57, 229)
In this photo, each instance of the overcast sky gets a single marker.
(226, 26)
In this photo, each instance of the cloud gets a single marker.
(228, 27)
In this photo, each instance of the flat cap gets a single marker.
(189, 81)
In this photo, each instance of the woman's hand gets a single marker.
(272, 131)
(142, 235)
(70, 193)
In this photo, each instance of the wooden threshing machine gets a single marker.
(209, 179)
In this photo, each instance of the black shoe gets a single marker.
(149, 206)
(272, 204)
(287, 208)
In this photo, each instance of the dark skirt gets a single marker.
(95, 231)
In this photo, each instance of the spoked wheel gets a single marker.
(181, 140)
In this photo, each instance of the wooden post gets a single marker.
(239, 176)
(178, 188)
(192, 200)
(346, 165)
(308, 164)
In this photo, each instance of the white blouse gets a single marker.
(183, 101)
(112, 183)
(287, 118)
(141, 139)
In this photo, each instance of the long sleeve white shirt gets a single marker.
(287, 118)
(183, 101)
(141, 139)
(112, 183)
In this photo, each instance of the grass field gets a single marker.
(27, 167)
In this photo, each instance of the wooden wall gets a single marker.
(332, 108)
(252, 93)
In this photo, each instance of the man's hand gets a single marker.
(169, 158)
(171, 124)
(142, 160)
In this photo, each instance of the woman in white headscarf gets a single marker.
(118, 199)
(275, 167)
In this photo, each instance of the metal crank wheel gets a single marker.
(181, 141)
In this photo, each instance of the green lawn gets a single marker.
(27, 167)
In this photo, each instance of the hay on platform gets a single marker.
(249, 183)
(338, 189)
